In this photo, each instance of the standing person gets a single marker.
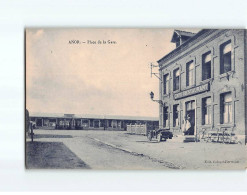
(188, 125)
(184, 125)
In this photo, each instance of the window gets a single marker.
(166, 83)
(176, 79)
(226, 108)
(101, 122)
(96, 124)
(119, 124)
(61, 123)
(114, 124)
(66, 123)
(190, 105)
(39, 122)
(190, 73)
(85, 123)
(110, 123)
(46, 122)
(206, 66)
(91, 122)
(206, 111)
(73, 122)
(165, 116)
(77, 122)
(175, 115)
(225, 57)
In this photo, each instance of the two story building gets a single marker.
(203, 80)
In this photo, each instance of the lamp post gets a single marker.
(152, 98)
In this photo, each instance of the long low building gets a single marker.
(84, 121)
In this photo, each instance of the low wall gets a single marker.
(137, 129)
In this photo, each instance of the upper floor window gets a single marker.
(176, 74)
(206, 111)
(190, 73)
(166, 83)
(225, 57)
(226, 107)
(206, 66)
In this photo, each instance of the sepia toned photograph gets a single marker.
(135, 99)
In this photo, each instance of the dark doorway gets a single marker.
(190, 116)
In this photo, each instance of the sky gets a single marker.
(110, 77)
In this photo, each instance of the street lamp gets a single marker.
(152, 98)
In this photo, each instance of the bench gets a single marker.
(224, 135)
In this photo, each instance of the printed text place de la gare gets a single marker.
(93, 42)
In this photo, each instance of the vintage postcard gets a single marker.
(136, 99)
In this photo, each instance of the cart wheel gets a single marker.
(159, 137)
(149, 136)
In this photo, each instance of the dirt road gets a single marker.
(119, 150)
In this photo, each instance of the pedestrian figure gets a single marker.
(186, 125)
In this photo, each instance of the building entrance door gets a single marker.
(190, 117)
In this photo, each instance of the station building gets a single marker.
(89, 122)
(204, 79)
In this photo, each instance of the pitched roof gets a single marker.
(185, 45)
(92, 116)
(181, 33)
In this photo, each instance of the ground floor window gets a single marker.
(119, 124)
(96, 124)
(73, 122)
(206, 111)
(175, 115)
(226, 108)
(109, 123)
(114, 124)
(91, 122)
(66, 123)
(46, 122)
(61, 123)
(39, 122)
(85, 123)
(165, 116)
(78, 122)
(101, 123)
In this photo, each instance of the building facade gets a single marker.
(203, 80)
(89, 122)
